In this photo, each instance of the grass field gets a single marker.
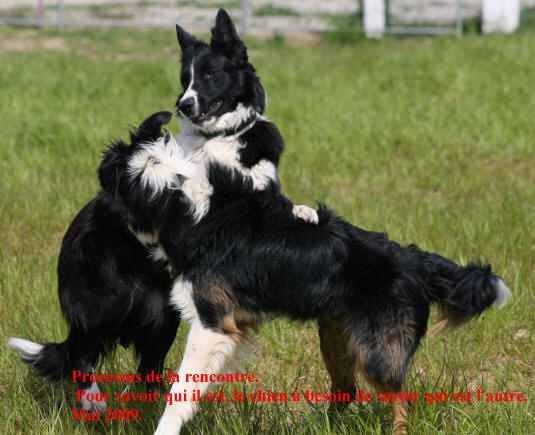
(431, 140)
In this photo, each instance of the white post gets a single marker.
(501, 15)
(374, 18)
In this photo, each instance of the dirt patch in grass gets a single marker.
(23, 44)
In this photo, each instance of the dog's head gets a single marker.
(116, 159)
(221, 90)
(137, 175)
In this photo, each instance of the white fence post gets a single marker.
(374, 18)
(501, 15)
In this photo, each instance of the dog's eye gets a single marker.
(208, 75)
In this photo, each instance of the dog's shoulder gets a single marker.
(254, 155)
(262, 142)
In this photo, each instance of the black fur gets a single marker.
(266, 143)
(276, 263)
(106, 276)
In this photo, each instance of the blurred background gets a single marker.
(429, 137)
(392, 16)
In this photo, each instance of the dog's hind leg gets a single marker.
(153, 342)
(212, 342)
(384, 354)
(340, 359)
(400, 410)
(84, 349)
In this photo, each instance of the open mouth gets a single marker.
(214, 107)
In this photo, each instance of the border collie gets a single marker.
(110, 290)
(245, 257)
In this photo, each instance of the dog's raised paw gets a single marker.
(306, 214)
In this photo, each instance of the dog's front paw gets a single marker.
(168, 426)
(306, 213)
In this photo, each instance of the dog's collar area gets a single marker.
(234, 132)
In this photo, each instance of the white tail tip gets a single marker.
(503, 294)
(28, 350)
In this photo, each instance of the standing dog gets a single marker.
(244, 256)
(110, 289)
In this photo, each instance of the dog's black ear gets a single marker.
(185, 40)
(226, 39)
(151, 128)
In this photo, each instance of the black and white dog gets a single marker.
(244, 256)
(110, 289)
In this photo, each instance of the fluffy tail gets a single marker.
(51, 360)
(462, 292)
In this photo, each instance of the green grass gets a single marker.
(527, 18)
(431, 140)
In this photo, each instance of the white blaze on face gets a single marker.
(190, 93)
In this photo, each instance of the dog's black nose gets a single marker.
(186, 106)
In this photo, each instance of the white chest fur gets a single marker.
(182, 162)
(224, 151)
